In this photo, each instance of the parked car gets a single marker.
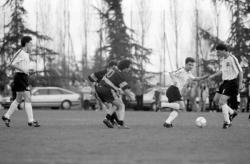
(149, 101)
(53, 97)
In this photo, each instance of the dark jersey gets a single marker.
(117, 79)
(97, 76)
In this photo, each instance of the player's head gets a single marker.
(124, 65)
(221, 50)
(111, 64)
(26, 42)
(189, 63)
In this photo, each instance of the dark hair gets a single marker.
(25, 39)
(124, 64)
(221, 47)
(111, 64)
(189, 59)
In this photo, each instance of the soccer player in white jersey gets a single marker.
(181, 78)
(232, 76)
(21, 64)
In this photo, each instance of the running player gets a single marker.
(232, 76)
(95, 78)
(110, 88)
(181, 78)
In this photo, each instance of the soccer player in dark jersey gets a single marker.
(95, 78)
(110, 88)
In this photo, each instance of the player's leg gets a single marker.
(175, 103)
(29, 110)
(12, 108)
(225, 110)
(176, 107)
(111, 113)
(120, 111)
(231, 91)
(106, 107)
(216, 98)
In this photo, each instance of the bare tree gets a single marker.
(144, 14)
(85, 15)
(173, 9)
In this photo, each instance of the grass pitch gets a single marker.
(80, 137)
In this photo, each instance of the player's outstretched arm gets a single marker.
(215, 74)
(201, 78)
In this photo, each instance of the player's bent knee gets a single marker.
(19, 99)
(222, 102)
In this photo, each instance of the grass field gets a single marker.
(80, 137)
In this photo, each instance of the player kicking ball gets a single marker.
(180, 79)
(110, 88)
(232, 76)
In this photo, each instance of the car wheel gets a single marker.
(66, 104)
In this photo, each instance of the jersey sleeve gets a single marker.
(119, 80)
(236, 65)
(97, 76)
(92, 78)
(123, 83)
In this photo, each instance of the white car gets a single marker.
(149, 101)
(53, 97)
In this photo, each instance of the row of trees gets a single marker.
(117, 41)
(239, 39)
(118, 44)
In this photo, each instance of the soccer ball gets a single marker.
(201, 122)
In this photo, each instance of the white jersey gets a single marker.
(230, 68)
(21, 60)
(181, 77)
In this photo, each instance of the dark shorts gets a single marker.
(21, 82)
(173, 94)
(104, 93)
(229, 88)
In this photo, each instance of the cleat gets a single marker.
(232, 116)
(122, 126)
(114, 123)
(34, 124)
(226, 125)
(166, 125)
(108, 123)
(6, 121)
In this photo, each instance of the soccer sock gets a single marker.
(114, 117)
(120, 122)
(29, 111)
(172, 116)
(12, 109)
(108, 116)
(121, 113)
(225, 113)
(172, 105)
